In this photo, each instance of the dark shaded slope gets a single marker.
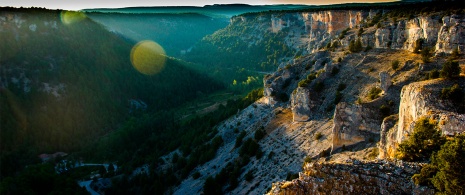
(63, 85)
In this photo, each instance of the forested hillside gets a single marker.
(66, 80)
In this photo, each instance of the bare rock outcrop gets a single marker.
(421, 99)
(301, 104)
(385, 79)
(354, 177)
(353, 124)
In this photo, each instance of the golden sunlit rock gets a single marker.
(148, 57)
(70, 17)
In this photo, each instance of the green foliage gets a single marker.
(355, 46)
(341, 86)
(360, 31)
(374, 93)
(40, 179)
(454, 93)
(418, 45)
(455, 55)
(249, 176)
(307, 159)
(450, 69)
(425, 140)
(334, 71)
(375, 20)
(343, 33)
(338, 97)
(446, 171)
(259, 134)
(384, 110)
(434, 74)
(318, 136)
(291, 176)
(426, 54)
(239, 139)
(308, 80)
(395, 64)
(339, 59)
(319, 86)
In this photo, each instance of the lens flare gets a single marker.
(148, 57)
(70, 17)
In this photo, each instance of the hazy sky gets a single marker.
(82, 4)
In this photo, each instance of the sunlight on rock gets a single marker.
(148, 57)
(71, 17)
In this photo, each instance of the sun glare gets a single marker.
(148, 57)
(71, 17)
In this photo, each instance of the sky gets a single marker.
(83, 4)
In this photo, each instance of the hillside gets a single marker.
(353, 99)
(66, 81)
(331, 104)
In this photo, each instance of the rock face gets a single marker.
(385, 80)
(301, 104)
(388, 132)
(313, 30)
(421, 99)
(355, 177)
(353, 124)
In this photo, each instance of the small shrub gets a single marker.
(434, 74)
(334, 71)
(308, 159)
(196, 175)
(374, 93)
(426, 54)
(338, 97)
(384, 110)
(319, 86)
(291, 176)
(395, 64)
(360, 31)
(318, 136)
(368, 48)
(341, 87)
(270, 155)
(249, 176)
(453, 93)
(339, 59)
(450, 69)
(259, 134)
(418, 45)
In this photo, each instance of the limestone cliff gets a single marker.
(311, 31)
(353, 177)
(421, 99)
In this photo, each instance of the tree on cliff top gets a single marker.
(425, 140)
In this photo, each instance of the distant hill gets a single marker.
(217, 10)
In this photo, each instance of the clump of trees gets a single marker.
(450, 69)
(425, 140)
(355, 46)
(374, 93)
(446, 171)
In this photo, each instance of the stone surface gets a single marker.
(301, 104)
(353, 124)
(385, 79)
(353, 177)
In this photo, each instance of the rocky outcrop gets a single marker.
(354, 177)
(353, 124)
(421, 99)
(388, 132)
(301, 104)
(385, 80)
(311, 31)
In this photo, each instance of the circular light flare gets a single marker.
(148, 57)
(70, 17)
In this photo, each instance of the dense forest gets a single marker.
(64, 85)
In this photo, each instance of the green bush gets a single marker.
(374, 93)
(450, 69)
(341, 87)
(319, 86)
(446, 172)
(338, 97)
(334, 71)
(318, 136)
(259, 134)
(395, 64)
(384, 110)
(425, 140)
(434, 74)
(426, 54)
(454, 93)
